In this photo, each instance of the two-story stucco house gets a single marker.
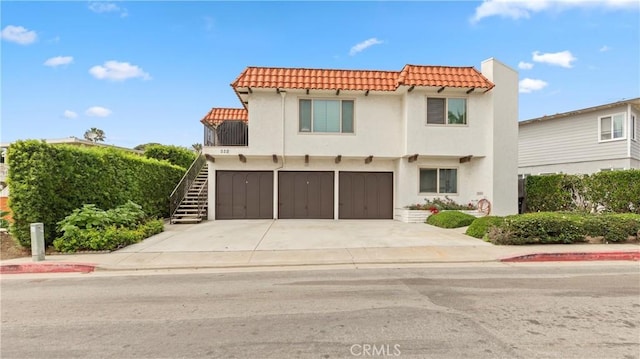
(361, 144)
(581, 142)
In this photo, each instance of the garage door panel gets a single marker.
(305, 195)
(244, 195)
(366, 195)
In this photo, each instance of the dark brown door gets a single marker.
(305, 195)
(366, 195)
(244, 195)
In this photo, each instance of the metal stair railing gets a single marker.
(185, 183)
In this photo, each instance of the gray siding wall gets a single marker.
(568, 140)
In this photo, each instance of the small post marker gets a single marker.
(37, 242)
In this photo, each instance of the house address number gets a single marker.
(224, 150)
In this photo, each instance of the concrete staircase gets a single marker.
(193, 207)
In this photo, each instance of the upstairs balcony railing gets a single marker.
(227, 133)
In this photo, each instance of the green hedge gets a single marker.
(48, 182)
(616, 191)
(450, 219)
(480, 226)
(564, 228)
(611, 191)
(176, 155)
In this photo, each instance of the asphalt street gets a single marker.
(553, 310)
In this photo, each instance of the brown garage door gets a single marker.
(244, 194)
(305, 195)
(366, 195)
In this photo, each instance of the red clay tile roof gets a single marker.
(328, 79)
(316, 79)
(443, 76)
(218, 115)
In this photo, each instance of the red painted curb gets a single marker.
(576, 256)
(46, 268)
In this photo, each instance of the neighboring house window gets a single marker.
(326, 116)
(611, 127)
(634, 126)
(446, 111)
(438, 180)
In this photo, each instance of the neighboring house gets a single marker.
(4, 165)
(361, 144)
(599, 138)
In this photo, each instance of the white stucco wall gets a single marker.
(503, 155)
(446, 140)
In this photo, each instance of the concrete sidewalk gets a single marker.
(269, 243)
(317, 257)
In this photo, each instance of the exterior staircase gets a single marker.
(189, 200)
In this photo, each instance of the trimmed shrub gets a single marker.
(609, 191)
(558, 192)
(564, 228)
(613, 227)
(480, 226)
(175, 155)
(615, 191)
(49, 181)
(541, 228)
(450, 219)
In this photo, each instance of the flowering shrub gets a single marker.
(436, 205)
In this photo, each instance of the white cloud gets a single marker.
(102, 7)
(58, 61)
(364, 45)
(118, 71)
(528, 85)
(525, 65)
(97, 111)
(562, 58)
(19, 34)
(518, 9)
(604, 48)
(70, 114)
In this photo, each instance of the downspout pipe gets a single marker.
(283, 95)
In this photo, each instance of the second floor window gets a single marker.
(612, 127)
(326, 116)
(446, 111)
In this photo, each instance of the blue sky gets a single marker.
(149, 71)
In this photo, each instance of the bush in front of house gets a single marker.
(558, 192)
(91, 228)
(450, 219)
(175, 155)
(564, 228)
(608, 191)
(615, 191)
(612, 227)
(480, 226)
(49, 181)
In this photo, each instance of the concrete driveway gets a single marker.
(269, 235)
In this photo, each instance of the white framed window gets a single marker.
(446, 111)
(439, 180)
(611, 127)
(328, 116)
(633, 128)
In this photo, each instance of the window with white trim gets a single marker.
(446, 111)
(611, 127)
(439, 180)
(634, 127)
(326, 116)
